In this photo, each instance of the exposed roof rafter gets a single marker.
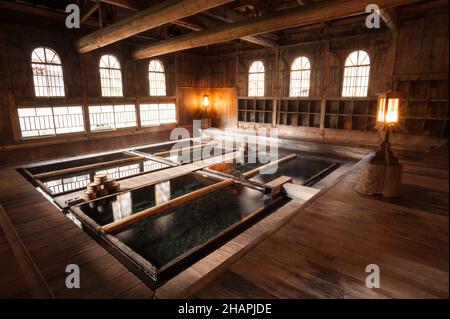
(302, 16)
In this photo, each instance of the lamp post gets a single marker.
(382, 174)
(387, 117)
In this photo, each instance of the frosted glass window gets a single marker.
(300, 77)
(47, 73)
(356, 75)
(256, 79)
(157, 78)
(110, 76)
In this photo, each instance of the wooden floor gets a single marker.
(53, 242)
(320, 252)
(13, 283)
(323, 251)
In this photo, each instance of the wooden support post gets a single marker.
(121, 223)
(325, 72)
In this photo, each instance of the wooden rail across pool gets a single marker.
(88, 167)
(119, 224)
(257, 170)
(182, 149)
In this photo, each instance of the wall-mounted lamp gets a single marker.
(382, 174)
(205, 101)
(206, 122)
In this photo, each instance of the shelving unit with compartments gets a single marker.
(423, 107)
(255, 110)
(351, 114)
(299, 112)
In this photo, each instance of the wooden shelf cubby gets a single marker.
(255, 110)
(423, 107)
(299, 112)
(351, 114)
(423, 110)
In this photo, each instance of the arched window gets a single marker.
(256, 79)
(300, 75)
(356, 74)
(156, 78)
(47, 73)
(110, 76)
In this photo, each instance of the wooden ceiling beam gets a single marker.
(87, 10)
(57, 16)
(40, 12)
(124, 4)
(192, 25)
(144, 20)
(188, 24)
(231, 16)
(315, 13)
(254, 39)
(389, 17)
(134, 6)
(260, 5)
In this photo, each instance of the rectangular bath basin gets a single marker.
(112, 208)
(165, 244)
(302, 170)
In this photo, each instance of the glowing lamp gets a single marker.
(205, 101)
(206, 122)
(388, 108)
(382, 174)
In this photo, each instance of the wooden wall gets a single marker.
(82, 87)
(222, 108)
(418, 51)
(326, 58)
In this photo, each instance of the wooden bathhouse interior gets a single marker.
(209, 149)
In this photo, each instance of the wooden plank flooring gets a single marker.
(53, 242)
(13, 283)
(320, 252)
(324, 249)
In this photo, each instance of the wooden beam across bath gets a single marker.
(121, 223)
(275, 186)
(301, 16)
(188, 148)
(152, 17)
(83, 168)
(257, 170)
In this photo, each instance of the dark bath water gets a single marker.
(300, 169)
(79, 162)
(163, 237)
(116, 207)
